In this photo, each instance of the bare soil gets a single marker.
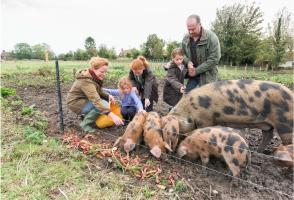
(262, 179)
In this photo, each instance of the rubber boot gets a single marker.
(89, 119)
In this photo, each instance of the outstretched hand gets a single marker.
(118, 121)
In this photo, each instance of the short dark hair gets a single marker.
(177, 51)
(194, 16)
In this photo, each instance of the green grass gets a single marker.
(284, 76)
(119, 68)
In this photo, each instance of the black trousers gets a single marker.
(128, 112)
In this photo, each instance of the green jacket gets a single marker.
(208, 55)
(83, 90)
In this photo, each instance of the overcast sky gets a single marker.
(65, 24)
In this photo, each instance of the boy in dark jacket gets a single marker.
(174, 82)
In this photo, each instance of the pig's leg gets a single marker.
(204, 158)
(267, 135)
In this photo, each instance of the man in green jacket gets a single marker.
(202, 53)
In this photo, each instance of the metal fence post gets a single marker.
(59, 99)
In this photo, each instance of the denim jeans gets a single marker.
(89, 106)
(192, 83)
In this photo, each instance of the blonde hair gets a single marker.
(177, 51)
(97, 62)
(124, 81)
(139, 63)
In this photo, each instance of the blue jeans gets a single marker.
(89, 106)
(192, 83)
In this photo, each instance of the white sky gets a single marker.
(65, 24)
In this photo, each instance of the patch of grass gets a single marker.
(34, 136)
(26, 111)
(148, 193)
(5, 92)
(180, 186)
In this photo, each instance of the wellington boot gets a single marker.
(88, 121)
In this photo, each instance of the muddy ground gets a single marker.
(269, 180)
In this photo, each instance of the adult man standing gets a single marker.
(202, 53)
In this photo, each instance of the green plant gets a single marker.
(34, 136)
(26, 111)
(148, 193)
(7, 91)
(180, 186)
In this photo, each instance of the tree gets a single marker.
(170, 47)
(23, 51)
(266, 52)
(103, 51)
(281, 32)
(80, 54)
(66, 56)
(153, 48)
(134, 53)
(90, 47)
(238, 27)
(38, 51)
(112, 53)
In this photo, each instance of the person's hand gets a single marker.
(111, 99)
(147, 103)
(118, 121)
(190, 65)
(141, 110)
(182, 89)
(134, 89)
(192, 72)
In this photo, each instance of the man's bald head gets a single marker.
(193, 26)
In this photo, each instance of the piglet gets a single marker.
(216, 141)
(284, 155)
(153, 135)
(170, 128)
(133, 134)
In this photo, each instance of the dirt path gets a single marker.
(261, 171)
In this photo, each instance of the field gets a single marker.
(39, 163)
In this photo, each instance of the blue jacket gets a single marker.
(130, 99)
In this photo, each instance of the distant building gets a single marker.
(287, 64)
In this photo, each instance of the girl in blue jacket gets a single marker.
(130, 102)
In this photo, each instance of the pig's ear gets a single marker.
(117, 141)
(167, 146)
(283, 156)
(156, 151)
(182, 151)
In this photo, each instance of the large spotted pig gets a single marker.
(153, 135)
(240, 104)
(170, 128)
(133, 134)
(216, 141)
